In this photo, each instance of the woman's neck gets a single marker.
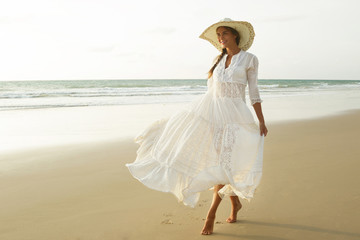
(232, 51)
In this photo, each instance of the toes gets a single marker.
(230, 220)
(206, 232)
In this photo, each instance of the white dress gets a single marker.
(213, 140)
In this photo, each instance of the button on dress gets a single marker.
(212, 140)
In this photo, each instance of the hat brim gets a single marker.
(245, 30)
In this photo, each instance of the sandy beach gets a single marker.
(83, 83)
(309, 190)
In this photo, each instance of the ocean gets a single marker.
(16, 95)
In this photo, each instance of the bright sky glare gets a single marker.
(159, 39)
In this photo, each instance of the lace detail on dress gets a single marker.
(218, 135)
(255, 100)
(224, 142)
(229, 89)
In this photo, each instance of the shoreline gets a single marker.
(130, 135)
(32, 128)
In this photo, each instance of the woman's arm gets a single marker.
(258, 111)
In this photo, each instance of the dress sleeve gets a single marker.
(252, 78)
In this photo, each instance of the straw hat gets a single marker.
(245, 30)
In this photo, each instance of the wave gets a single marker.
(44, 94)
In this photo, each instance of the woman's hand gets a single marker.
(263, 129)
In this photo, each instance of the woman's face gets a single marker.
(225, 37)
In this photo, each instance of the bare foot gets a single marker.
(234, 210)
(208, 227)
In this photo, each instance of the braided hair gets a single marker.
(224, 51)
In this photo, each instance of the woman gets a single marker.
(214, 142)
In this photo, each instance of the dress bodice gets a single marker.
(231, 81)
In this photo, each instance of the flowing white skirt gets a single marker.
(211, 141)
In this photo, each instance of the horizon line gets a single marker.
(113, 79)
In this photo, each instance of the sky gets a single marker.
(159, 39)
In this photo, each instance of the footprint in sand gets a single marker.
(167, 221)
(217, 222)
(202, 203)
(167, 214)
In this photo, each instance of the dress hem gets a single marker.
(190, 195)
